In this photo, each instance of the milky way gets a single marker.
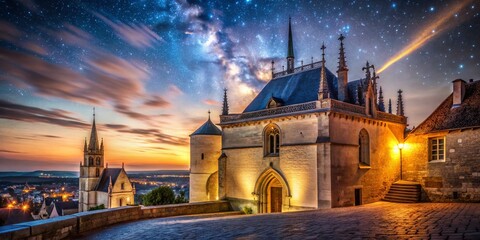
(154, 68)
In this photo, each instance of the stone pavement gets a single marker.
(381, 220)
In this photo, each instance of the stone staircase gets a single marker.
(404, 192)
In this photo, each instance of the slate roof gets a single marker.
(298, 88)
(208, 128)
(105, 178)
(61, 206)
(293, 89)
(467, 115)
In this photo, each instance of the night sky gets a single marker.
(152, 69)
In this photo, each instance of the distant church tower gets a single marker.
(90, 169)
(205, 149)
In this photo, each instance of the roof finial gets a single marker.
(390, 105)
(225, 102)
(381, 104)
(342, 63)
(273, 69)
(323, 91)
(400, 111)
(208, 114)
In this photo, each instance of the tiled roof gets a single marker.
(467, 115)
(208, 128)
(105, 178)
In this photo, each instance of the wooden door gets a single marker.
(275, 199)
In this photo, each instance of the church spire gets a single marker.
(342, 63)
(390, 105)
(342, 73)
(93, 144)
(225, 102)
(400, 111)
(290, 54)
(381, 104)
(323, 91)
(85, 146)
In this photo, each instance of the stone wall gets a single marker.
(246, 161)
(347, 174)
(457, 178)
(73, 225)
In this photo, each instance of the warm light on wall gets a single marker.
(401, 146)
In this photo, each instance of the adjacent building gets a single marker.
(99, 184)
(443, 152)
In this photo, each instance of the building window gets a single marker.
(98, 161)
(203, 156)
(437, 149)
(122, 186)
(90, 161)
(97, 172)
(120, 202)
(364, 147)
(272, 141)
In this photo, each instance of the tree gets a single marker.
(160, 196)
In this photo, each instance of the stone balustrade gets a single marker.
(75, 224)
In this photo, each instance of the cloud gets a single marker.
(153, 135)
(212, 102)
(49, 136)
(137, 35)
(156, 101)
(24, 113)
(8, 151)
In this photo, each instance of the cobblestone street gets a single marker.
(381, 220)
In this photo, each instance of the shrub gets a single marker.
(99, 207)
(247, 210)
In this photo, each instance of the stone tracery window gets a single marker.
(97, 161)
(90, 161)
(272, 141)
(364, 147)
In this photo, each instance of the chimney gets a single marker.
(458, 92)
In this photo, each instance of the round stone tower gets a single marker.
(205, 149)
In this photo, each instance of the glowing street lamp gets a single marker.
(400, 147)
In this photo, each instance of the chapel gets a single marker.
(312, 138)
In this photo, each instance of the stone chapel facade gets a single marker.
(310, 139)
(99, 184)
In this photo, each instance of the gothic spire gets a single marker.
(93, 144)
(323, 92)
(390, 105)
(85, 146)
(367, 73)
(225, 100)
(290, 55)
(290, 39)
(381, 104)
(342, 63)
(400, 111)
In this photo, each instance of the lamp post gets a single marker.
(400, 147)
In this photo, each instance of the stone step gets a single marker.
(398, 186)
(406, 196)
(398, 200)
(409, 191)
(401, 198)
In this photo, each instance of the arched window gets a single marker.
(90, 161)
(364, 147)
(97, 161)
(120, 202)
(272, 140)
(97, 172)
(203, 156)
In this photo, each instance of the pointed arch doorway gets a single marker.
(272, 191)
